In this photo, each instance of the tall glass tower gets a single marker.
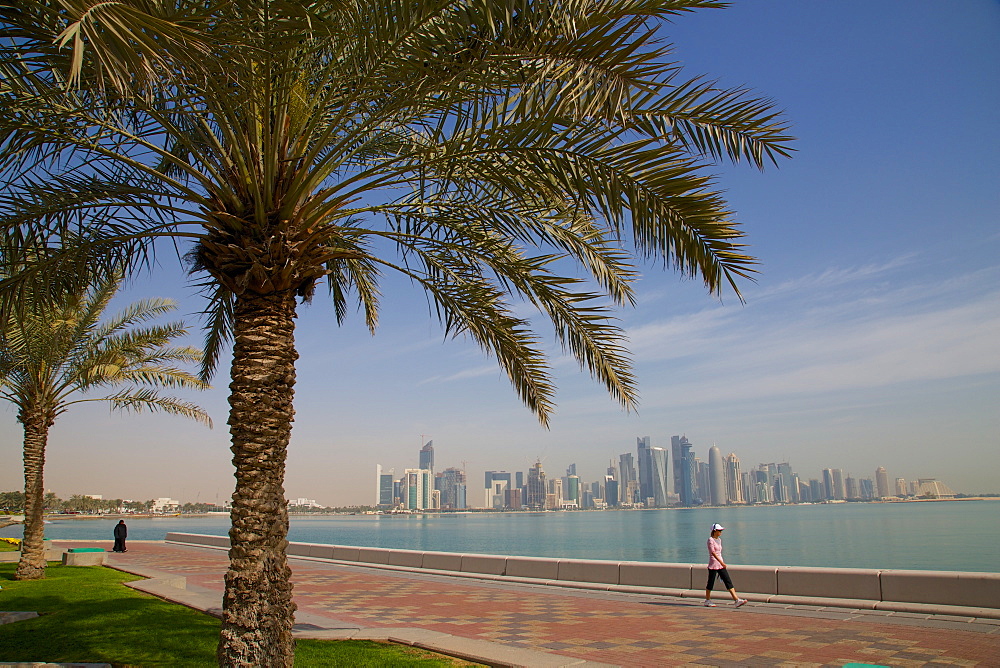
(684, 469)
(658, 463)
(427, 456)
(645, 469)
(626, 478)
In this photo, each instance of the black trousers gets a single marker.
(722, 573)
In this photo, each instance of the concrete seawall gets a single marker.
(936, 592)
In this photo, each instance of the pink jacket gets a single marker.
(714, 554)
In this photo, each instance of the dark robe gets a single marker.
(121, 532)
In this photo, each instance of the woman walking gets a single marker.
(717, 568)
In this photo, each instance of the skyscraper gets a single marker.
(717, 477)
(417, 487)
(828, 484)
(645, 469)
(851, 488)
(816, 490)
(557, 489)
(762, 487)
(658, 460)
(684, 469)
(627, 478)
(453, 488)
(427, 456)
(734, 479)
(384, 492)
(536, 486)
(676, 457)
(839, 489)
(882, 482)
(611, 494)
(573, 489)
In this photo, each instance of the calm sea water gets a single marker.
(947, 535)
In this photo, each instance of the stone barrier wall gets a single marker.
(944, 592)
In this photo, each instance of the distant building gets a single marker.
(719, 494)
(882, 482)
(452, 485)
(762, 487)
(900, 487)
(827, 484)
(167, 505)
(627, 479)
(851, 485)
(427, 456)
(384, 492)
(659, 459)
(839, 488)
(611, 494)
(734, 480)
(496, 483)
(932, 488)
(816, 490)
(417, 489)
(783, 483)
(684, 469)
(645, 462)
(556, 487)
(573, 489)
(512, 499)
(536, 486)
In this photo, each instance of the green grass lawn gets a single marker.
(87, 615)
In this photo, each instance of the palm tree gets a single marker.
(55, 356)
(492, 151)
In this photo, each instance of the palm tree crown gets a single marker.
(55, 357)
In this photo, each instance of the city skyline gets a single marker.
(425, 454)
(662, 477)
(868, 338)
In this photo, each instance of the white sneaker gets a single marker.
(740, 602)
(709, 604)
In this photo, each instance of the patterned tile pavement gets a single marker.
(621, 629)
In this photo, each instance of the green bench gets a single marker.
(83, 556)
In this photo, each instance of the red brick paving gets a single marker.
(610, 628)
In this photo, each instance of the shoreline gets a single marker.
(11, 519)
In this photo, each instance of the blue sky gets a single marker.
(869, 339)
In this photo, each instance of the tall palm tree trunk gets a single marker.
(36, 433)
(258, 611)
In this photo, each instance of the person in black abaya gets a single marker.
(121, 532)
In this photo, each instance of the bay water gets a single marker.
(940, 535)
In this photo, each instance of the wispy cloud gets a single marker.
(465, 374)
(849, 344)
(834, 277)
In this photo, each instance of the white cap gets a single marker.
(717, 527)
